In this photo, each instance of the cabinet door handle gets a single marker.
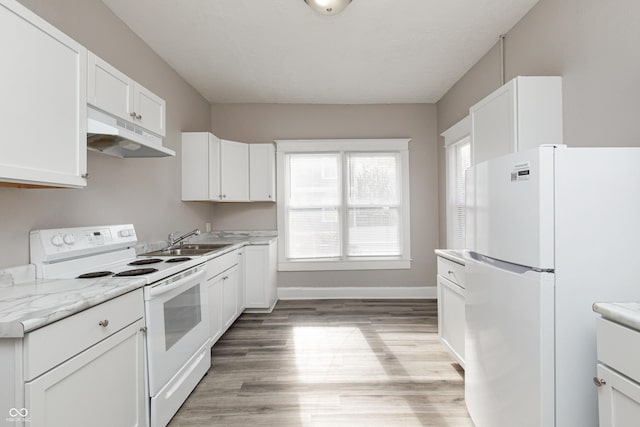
(104, 323)
(599, 382)
(139, 117)
(225, 277)
(133, 114)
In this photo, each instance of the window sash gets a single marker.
(349, 246)
(459, 160)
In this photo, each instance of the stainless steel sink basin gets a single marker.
(189, 249)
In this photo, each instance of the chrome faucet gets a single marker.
(174, 241)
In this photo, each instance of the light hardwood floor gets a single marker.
(331, 363)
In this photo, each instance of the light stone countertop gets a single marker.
(27, 303)
(625, 313)
(455, 255)
(30, 305)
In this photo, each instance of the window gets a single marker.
(458, 160)
(344, 204)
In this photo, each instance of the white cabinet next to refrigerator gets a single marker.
(522, 114)
(451, 297)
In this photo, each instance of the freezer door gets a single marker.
(512, 208)
(509, 345)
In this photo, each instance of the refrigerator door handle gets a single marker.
(507, 266)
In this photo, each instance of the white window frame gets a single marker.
(343, 146)
(456, 134)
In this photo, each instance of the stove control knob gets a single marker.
(69, 239)
(57, 240)
(124, 233)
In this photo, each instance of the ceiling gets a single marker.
(281, 51)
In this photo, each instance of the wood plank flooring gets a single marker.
(331, 363)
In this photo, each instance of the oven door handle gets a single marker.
(168, 287)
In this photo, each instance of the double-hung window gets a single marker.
(343, 204)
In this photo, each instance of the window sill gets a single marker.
(332, 265)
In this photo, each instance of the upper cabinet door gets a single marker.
(43, 82)
(234, 171)
(523, 114)
(114, 92)
(149, 110)
(262, 173)
(109, 89)
(493, 119)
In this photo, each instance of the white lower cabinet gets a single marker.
(215, 307)
(86, 369)
(225, 291)
(229, 297)
(618, 399)
(102, 386)
(260, 275)
(618, 374)
(451, 307)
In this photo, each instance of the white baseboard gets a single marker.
(302, 293)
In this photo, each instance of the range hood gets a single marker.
(116, 137)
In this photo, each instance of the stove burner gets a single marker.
(94, 274)
(136, 272)
(145, 261)
(181, 259)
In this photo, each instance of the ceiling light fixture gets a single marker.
(328, 7)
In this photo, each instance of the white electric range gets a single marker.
(176, 303)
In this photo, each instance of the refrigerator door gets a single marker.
(511, 208)
(509, 344)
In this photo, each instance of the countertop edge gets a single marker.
(451, 255)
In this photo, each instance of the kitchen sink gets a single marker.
(190, 249)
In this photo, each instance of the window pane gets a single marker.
(373, 179)
(313, 233)
(314, 179)
(374, 232)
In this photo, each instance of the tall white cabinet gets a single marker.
(43, 102)
(523, 113)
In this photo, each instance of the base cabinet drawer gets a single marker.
(618, 399)
(452, 271)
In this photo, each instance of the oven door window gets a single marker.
(182, 313)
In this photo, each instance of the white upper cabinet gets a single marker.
(234, 171)
(43, 102)
(214, 169)
(113, 92)
(524, 113)
(262, 173)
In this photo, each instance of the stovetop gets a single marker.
(99, 251)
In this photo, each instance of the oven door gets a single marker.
(177, 323)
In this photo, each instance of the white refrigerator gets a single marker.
(549, 232)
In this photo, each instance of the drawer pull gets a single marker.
(104, 323)
(450, 272)
(599, 382)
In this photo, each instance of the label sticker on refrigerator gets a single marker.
(521, 172)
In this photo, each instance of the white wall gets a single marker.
(592, 44)
(145, 192)
(267, 122)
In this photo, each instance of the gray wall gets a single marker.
(145, 192)
(262, 123)
(592, 44)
